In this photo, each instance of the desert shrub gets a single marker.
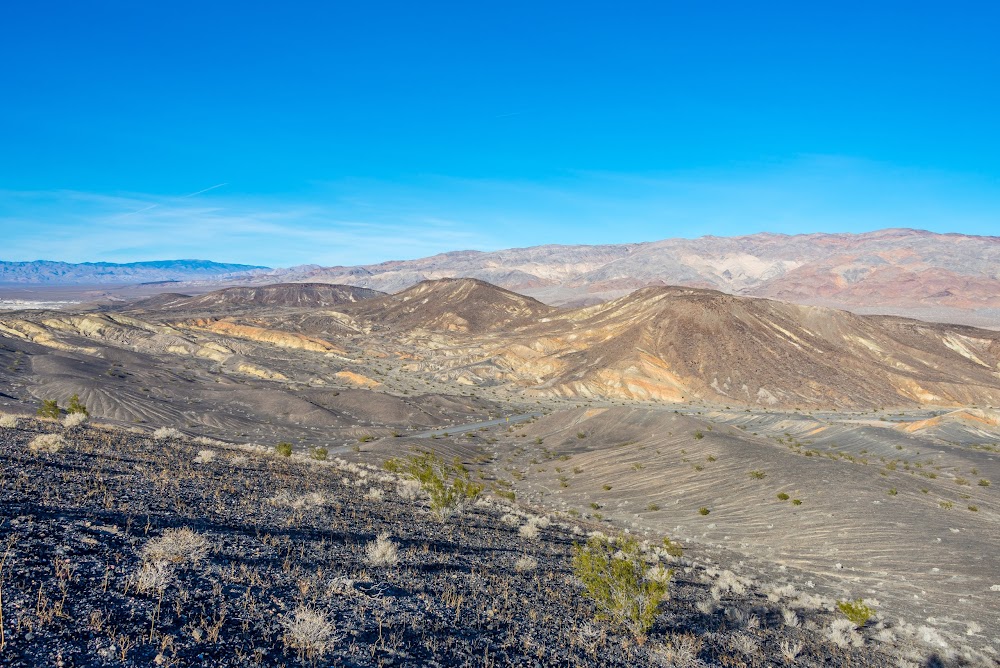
(374, 494)
(448, 485)
(796, 502)
(367, 438)
(319, 454)
(782, 496)
(204, 456)
(856, 611)
(843, 633)
(74, 420)
(616, 578)
(757, 475)
(177, 546)
(309, 633)
(525, 564)
(8, 421)
(673, 548)
(703, 511)
(529, 531)
(983, 482)
(76, 406)
(382, 551)
(49, 409)
(408, 490)
(283, 449)
(653, 507)
(167, 434)
(581, 435)
(153, 577)
(699, 435)
(47, 443)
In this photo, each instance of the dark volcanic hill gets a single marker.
(453, 305)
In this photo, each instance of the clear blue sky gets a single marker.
(348, 132)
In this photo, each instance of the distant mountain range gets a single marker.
(941, 277)
(101, 273)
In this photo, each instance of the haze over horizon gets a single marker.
(352, 135)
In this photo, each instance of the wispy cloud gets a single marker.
(357, 221)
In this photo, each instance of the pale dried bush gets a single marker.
(726, 582)
(746, 643)
(167, 433)
(529, 531)
(285, 499)
(382, 551)
(309, 633)
(51, 443)
(707, 606)
(74, 420)
(8, 421)
(204, 456)
(177, 546)
(525, 564)
(790, 649)
(408, 490)
(843, 633)
(374, 494)
(511, 519)
(153, 576)
(789, 617)
(679, 650)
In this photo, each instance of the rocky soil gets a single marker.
(122, 549)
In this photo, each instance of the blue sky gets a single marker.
(343, 133)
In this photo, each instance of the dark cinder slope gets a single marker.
(453, 305)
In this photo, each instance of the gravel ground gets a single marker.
(120, 549)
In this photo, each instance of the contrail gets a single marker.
(153, 206)
(218, 185)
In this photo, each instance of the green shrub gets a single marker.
(983, 482)
(581, 435)
(703, 511)
(673, 548)
(448, 485)
(653, 507)
(616, 577)
(856, 611)
(75, 406)
(796, 502)
(783, 496)
(366, 438)
(757, 475)
(893, 492)
(283, 449)
(699, 435)
(49, 409)
(319, 454)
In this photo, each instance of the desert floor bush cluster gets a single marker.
(122, 549)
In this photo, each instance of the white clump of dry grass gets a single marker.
(153, 576)
(167, 433)
(843, 633)
(525, 564)
(511, 519)
(177, 546)
(374, 494)
(382, 551)
(74, 420)
(309, 633)
(51, 443)
(728, 582)
(285, 499)
(679, 650)
(204, 456)
(9, 421)
(529, 531)
(789, 617)
(790, 649)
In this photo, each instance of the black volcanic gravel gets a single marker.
(77, 520)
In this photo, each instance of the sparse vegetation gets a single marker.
(617, 578)
(283, 449)
(703, 511)
(782, 496)
(448, 486)
(856, 611)
(49, 409)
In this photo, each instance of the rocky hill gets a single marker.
(299, 295)
(943, 277)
